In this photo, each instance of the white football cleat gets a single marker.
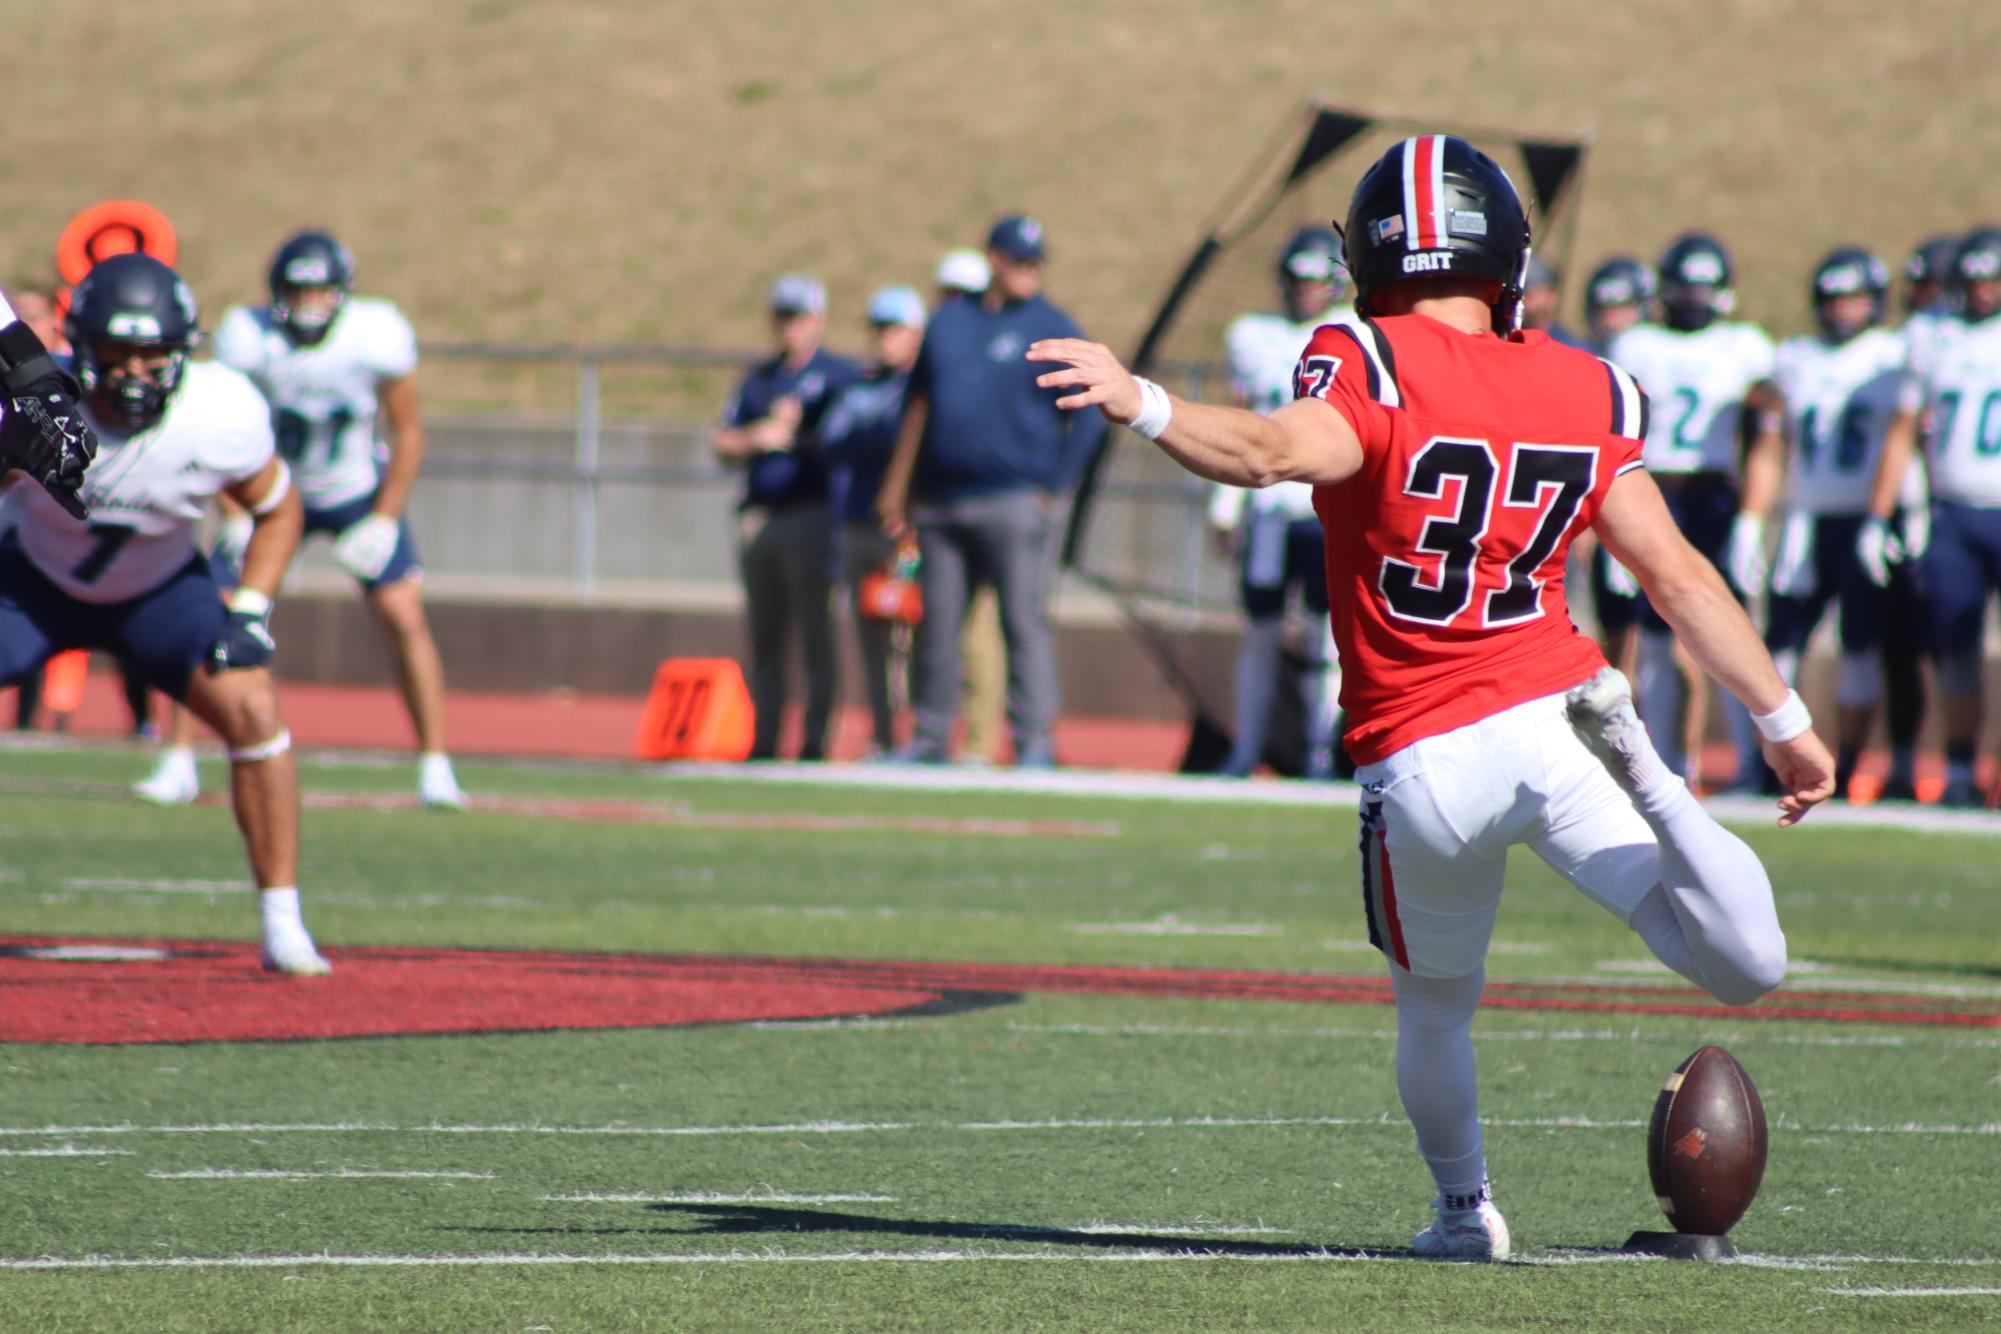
(438, 787)
(1470, 1234)
(1601, 713)
(293, 954)
(173, 781)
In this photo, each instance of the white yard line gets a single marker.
(507, 1260)
(1180, 1230)
(1914, 1292)
(1862, 1040)
(1383, 1119)
(344, 1174)
(1170, 927)
(70, 1151)
(716, 1197)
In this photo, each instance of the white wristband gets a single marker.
(1787, 721)
(1155, 409)
(251, 601)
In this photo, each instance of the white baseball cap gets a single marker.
(964, 271)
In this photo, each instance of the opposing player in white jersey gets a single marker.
(1709, 381)
(1908, 631)
(1274, 532)
(1618, 295)
(1841, 387)
(174, 434)
(329, 364)
(1956, 382)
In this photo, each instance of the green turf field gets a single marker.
(1039, 1155)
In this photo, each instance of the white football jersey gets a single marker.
(324, 395)
(148, 491)
(1841, 400)
(1264, 351)
(1959, 371)
(1695, 385)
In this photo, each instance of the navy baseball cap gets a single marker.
(798, 294)
(1017, 237)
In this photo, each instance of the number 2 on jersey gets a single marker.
(1553, 479)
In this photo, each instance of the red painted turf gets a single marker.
(205, 991)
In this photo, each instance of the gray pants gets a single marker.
(1002, 540)
(786, 555)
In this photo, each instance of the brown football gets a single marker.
(1706, 1143)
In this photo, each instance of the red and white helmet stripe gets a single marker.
(1424, 224)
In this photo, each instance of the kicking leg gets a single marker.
(1700, 898)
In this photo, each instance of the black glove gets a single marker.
(245, 641)
(43, 433)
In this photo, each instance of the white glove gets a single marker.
(1917, 535)
(1872, 549)
(1792, 569)
(1619, 579)
(1746, 554)
(363, 549)
(232, 539)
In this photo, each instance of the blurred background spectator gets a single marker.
(980, 468)
(785, 545)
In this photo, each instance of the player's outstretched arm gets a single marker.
(1304, 441)
(278, 522)
(1685, 588)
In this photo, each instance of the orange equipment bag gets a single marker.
(891, 593)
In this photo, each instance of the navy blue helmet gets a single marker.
(131, 301)
(1849, 271)
(1619, 281)
(1977, 262)
(310, 259)
(1311, 257)
(1436, 207)
(1695, 282)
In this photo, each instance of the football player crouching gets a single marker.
(173, 434)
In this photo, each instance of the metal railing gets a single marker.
(635, 495)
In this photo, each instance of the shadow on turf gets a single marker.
(1913, 966)
(751, 1219)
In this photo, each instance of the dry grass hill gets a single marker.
(638, 171)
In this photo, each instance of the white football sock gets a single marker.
(1257, 683)
(1721, 927)
(1322, 703)
(1435, 1074)
(1657, 695)
(279, 908)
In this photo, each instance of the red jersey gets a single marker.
(1482, 458)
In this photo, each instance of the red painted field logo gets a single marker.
(103, 991)
(117, 991)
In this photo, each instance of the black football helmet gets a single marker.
(1849, 271)
(1619, 281)
(310, 259)
(1931, 262)
(130, 300)
(1437, 207)
(1975, 281)
(1695, 288)
(1312, 258)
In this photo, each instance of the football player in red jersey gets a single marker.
(1454, 458)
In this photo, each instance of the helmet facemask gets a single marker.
(128, 397)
